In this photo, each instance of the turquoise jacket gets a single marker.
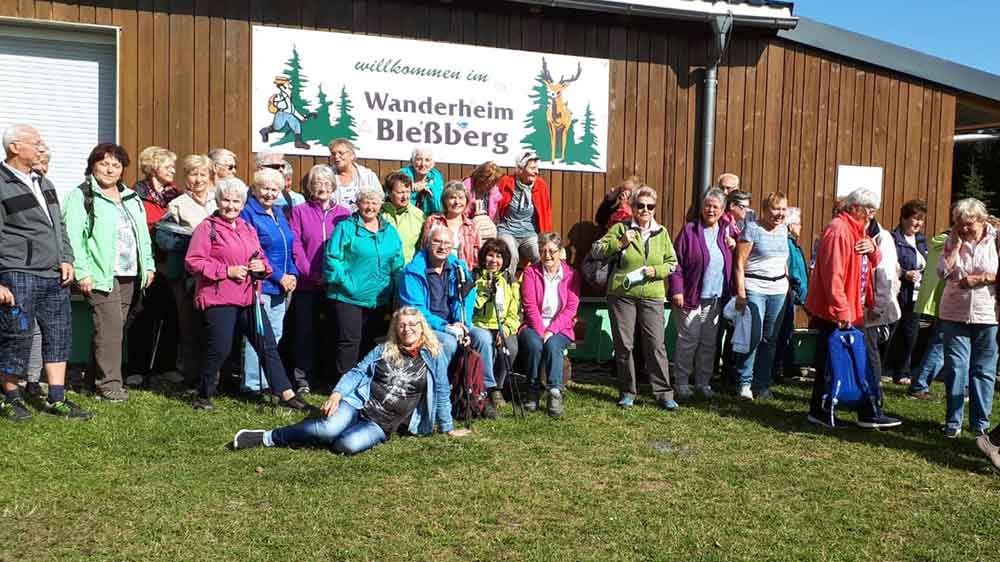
(95, 243)
(435, 182)
(362, 267)
(798, 273)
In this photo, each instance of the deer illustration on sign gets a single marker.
(558, 114)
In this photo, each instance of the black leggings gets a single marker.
(223, 324)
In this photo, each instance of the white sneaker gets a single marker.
(745, 392)
(765, 394)
(683, 392)
(706, 391)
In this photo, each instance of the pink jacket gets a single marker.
(469, 252)
(533, 293)
(492, 198)
(215, 245)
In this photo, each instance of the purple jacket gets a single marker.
(216, 245)
(312, 227)
(533, 293)
(692, 261)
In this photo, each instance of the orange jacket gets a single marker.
(835, 284)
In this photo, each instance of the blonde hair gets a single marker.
(194, 162)
(154, 157)
(391, 351)
(268, 176)
(773, 198)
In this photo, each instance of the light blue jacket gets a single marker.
(355, 387)
(414, 291)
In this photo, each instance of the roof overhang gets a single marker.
(769, 14)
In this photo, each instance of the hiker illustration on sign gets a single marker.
(286, 116)
(551, 125)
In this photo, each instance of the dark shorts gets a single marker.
(38, 299)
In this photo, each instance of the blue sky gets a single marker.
(962, 31)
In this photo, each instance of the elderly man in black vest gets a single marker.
(36, 268)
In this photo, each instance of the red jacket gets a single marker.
(835, 284)
(539, 197)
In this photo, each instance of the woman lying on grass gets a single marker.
(401, 383)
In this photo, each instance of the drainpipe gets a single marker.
(721, 26)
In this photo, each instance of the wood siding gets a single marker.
(787, 115)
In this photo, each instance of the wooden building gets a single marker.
(795, 98)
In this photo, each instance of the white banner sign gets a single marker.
(850, 178)
(469, 104)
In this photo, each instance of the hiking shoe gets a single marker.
(922, 395)
(295, 403)
(823, 420)
(878, 422)
(951, 432)
(496, 397)
(555, 403)
(683, 392)
(627, 401)
(119, 395)
(531, 404)
(489, 411)
(745, 392)
(134, 381)
(669, 404)
(66, 409)
(303, 390)
(34, 390)
(203, 404)
(706, 391)
(765, 394)
(991, 451)
(15, 410)
(248, 439)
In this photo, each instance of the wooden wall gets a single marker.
(787, 115)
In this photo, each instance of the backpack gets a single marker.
(468, 391)
(597, 267)
(847, 370)
(272, 104)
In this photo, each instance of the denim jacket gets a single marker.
(355, 387)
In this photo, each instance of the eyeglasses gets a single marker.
(440, 244)
(409, 325)
(644, 206)
(278, 167)
(230, 167)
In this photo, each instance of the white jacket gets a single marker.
(743, 328)
(887, 283)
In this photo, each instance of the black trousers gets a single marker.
(826, 329)
(154, 316)
(355, 331)
(222, 323)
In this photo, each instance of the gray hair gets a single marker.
(862, 197)
(717, 194)
(793, 215)
(346, 143)
(426, 150)
(550, 238)
(319, 171)
(451, 188)
(288, 171)
(12, 134)
(969, 208)
(228, 185)
(268, 176)
(46, 153)
(641, 191)
(264, 155)
(434, 230)
(217, 154)
(370, 192)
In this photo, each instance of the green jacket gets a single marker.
(485, 315)
(658, 252)
(409, 224)
(95, 243)
(929, 296)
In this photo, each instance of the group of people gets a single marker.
(407, 274)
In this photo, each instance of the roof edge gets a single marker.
(637, 9)
(894, 57)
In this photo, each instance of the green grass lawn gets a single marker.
(153, 480)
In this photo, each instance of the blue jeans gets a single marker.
(345, 431)
(482, 343)
(931, 363)
(970, 354)
(754, 368)
(549, 353)
(274, 308)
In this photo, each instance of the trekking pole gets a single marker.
(508, 363)
(258, 317)
(156, 345)
(460, 282)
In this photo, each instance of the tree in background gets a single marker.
(976, 173)
(585, 150)
(298, 81)
(537, 124)
(345, 125)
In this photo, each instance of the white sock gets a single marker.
(268, 442)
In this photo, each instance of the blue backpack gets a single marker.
(847, 371)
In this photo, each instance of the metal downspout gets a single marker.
(721, 25)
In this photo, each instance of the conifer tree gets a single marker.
(537, 124)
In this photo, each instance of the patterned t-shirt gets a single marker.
(395, 392)
(126, 261)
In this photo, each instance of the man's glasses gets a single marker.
(278, 167)
(644, 206)
(230, 167)
(440, 244)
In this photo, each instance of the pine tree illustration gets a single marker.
(293, 69)
(344, 127)
(319, 128)
(585, 151)
(537, 138)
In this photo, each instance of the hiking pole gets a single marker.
(156, 345)
(460, 282)
(515, 394)
(258, 317)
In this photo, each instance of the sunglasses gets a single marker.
(643, 206)
(229, 167)
(278, 167)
